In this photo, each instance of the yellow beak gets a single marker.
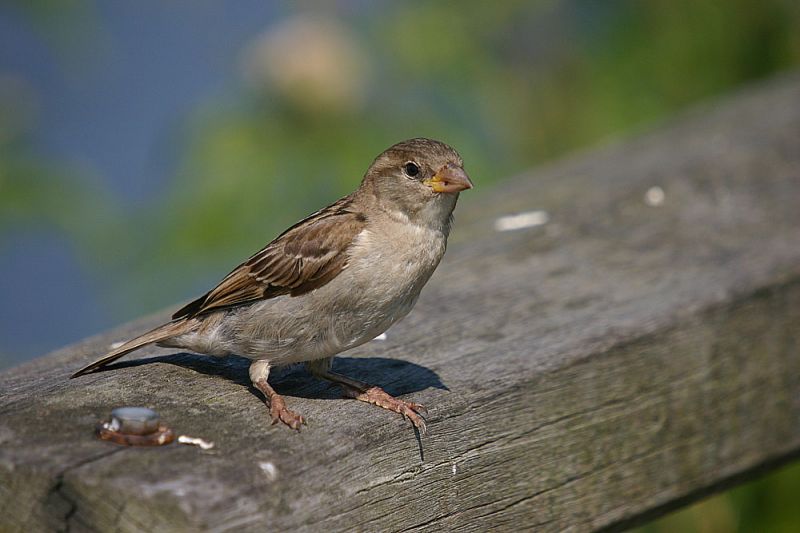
(449, 178)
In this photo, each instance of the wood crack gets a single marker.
(58, 491)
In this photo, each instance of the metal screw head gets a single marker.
(135, 426)
(134, 420)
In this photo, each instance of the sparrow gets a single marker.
(331, 282)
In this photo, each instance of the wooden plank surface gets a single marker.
(616, 361)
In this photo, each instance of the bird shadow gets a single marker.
(395, 376)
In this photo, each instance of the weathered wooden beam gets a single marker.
(616, 361)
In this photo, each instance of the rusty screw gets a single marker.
(135, 426)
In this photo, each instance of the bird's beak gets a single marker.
(449, 178)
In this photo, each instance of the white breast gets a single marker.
(382, 282)
(379, 286)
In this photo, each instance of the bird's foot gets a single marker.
(280, 413)
(259, 371)
(377, 396)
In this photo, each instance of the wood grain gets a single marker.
(585, 374)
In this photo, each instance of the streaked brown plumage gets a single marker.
(302, 258)
(332, 281)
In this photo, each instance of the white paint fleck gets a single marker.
(381, 337)
(455, 469)
(654, 196)
(194, 441)
(115, 345)
(269, 469)
(528, 219)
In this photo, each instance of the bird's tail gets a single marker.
(162, 332)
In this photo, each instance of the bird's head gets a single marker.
(417, 175)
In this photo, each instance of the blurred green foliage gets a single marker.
(766, 505)
(510, 84)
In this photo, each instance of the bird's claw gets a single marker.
(409, 410)
(280, 413)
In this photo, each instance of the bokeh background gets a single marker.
(146, 146)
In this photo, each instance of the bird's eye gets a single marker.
(411, 169)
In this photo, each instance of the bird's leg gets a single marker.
(365, 392)
(259, 372)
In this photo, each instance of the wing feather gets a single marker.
(303, 258)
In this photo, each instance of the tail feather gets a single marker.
(162, 332)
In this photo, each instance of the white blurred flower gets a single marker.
(317, 63)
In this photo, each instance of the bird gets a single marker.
(331, 282)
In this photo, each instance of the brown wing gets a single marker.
(306, 256)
